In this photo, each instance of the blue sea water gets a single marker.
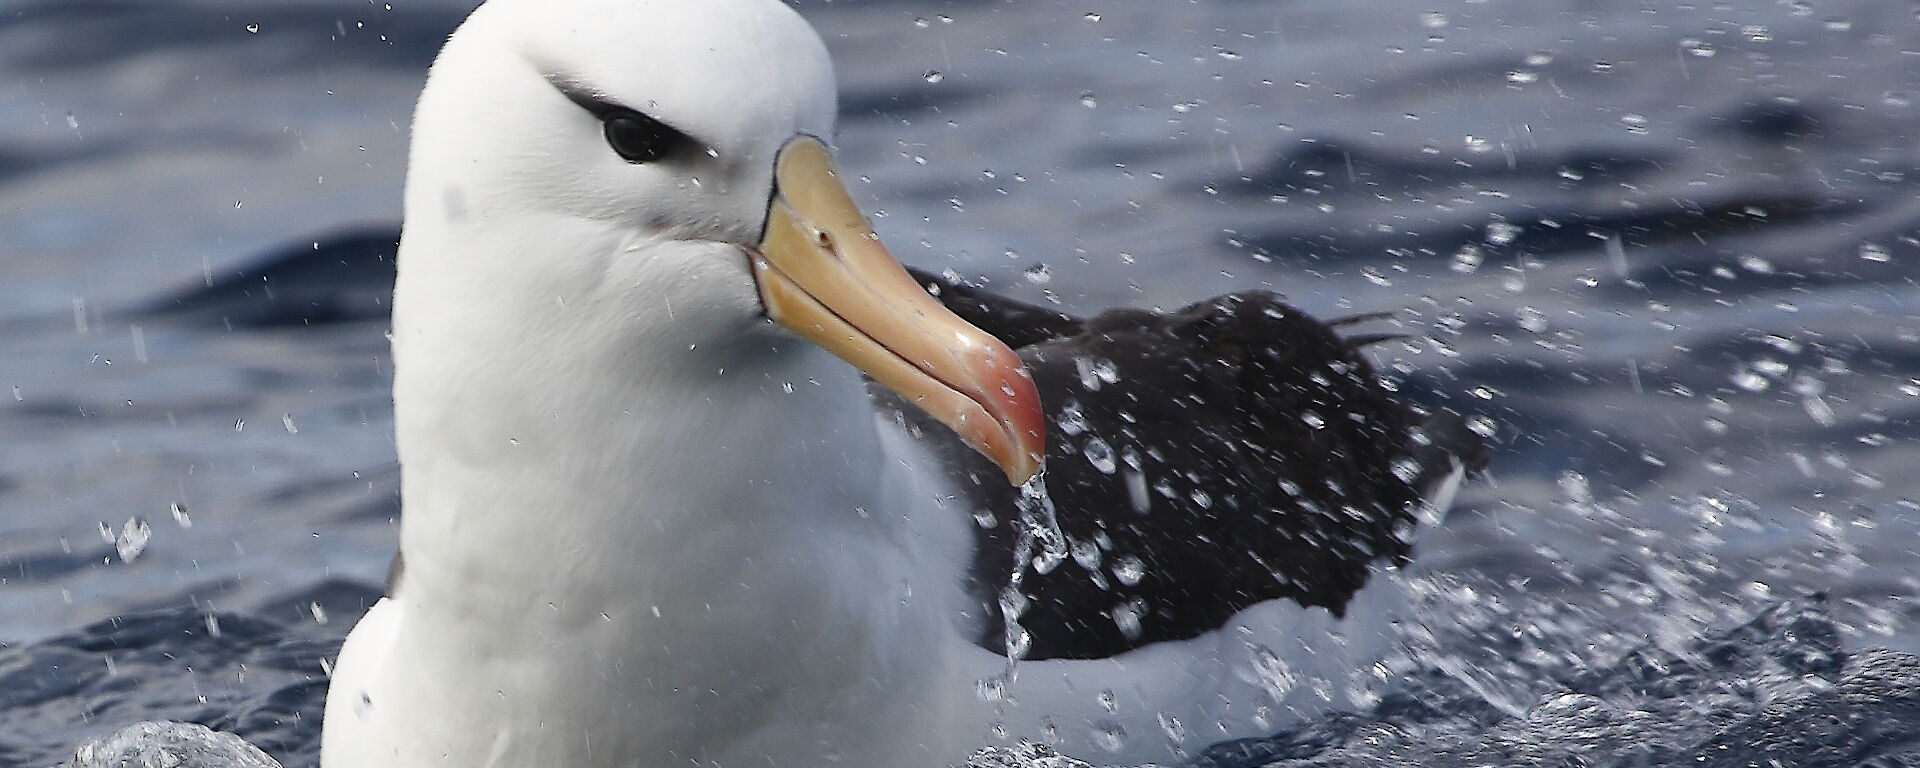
(1669, 249)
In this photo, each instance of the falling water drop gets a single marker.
(1040, 543)
(1072, 420)
(1100, 455)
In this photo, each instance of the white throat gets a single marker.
(628, 496)
(546, 428)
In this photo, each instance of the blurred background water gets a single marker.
(1667, 249)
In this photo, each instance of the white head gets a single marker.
(606, 183)
(517, 106)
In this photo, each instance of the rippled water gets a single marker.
(1668, 247)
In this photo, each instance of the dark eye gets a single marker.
(639, 138)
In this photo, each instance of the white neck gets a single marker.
(589, 416)
(614, 530)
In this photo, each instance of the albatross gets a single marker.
(653, 516)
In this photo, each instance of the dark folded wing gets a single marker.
(1232, 452)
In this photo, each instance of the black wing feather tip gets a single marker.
(1016, 323)
(1365, 340)
(1364, 317)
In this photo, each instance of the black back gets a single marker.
(1229, 453)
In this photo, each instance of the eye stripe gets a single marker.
(594, 105)
(636, 136)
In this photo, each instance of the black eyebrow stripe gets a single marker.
(601, 108)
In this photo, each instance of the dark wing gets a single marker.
(1203, 461)
(1015, 323)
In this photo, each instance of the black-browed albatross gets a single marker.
(651, 520)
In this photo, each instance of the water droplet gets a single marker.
(1129, 570)
(1576, 487)
(1039, 274)
(1503, 233)
(1094, 372)
(934, 76)
(132, 539)
(1275, 675)
(1100, 455)
(1818, 409)
(1171, 726)
(1087, 100)
(1072, 420)
(1087, 555)
(1127, 615)
(1405, 468)
(1467, 260)
(1137, 488)
(1042, 524)
(253, 29)
(1533, 320)
(1019, 642)
(1748, 380)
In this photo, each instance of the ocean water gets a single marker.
(1668, 248)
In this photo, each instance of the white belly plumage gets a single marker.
(395, 705)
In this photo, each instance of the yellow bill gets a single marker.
(824, 274)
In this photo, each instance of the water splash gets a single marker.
(1039, 525)
(1041, 544)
